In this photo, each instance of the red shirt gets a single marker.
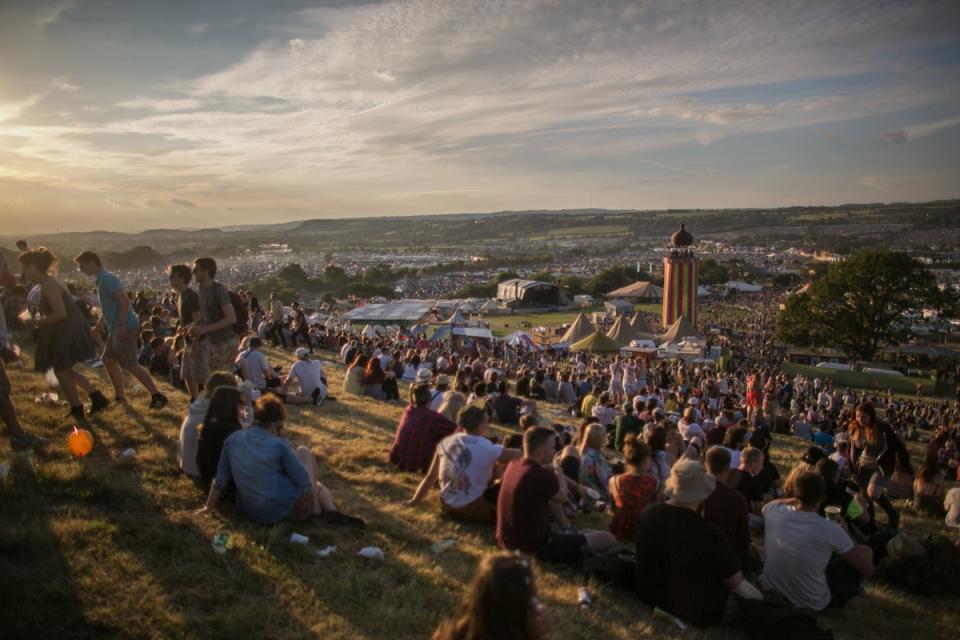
(727, 508)
(523, 512)
(418, 433)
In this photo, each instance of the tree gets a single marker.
(712, 272)
(503, 276)
(858, 304)
(610, 279)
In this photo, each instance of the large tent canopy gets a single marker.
(580, 329)
(405, 311)
(596, 343)
(679, 330)
(640, 290)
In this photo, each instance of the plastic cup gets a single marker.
(299, 538)
(832, 512)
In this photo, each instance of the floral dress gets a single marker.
(595, 472)
(633, 494)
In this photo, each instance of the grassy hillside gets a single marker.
(101, 549)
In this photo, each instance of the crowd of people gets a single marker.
(679, 454)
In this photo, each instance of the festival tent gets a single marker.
(616, 307)
(521, 338)
(317, 318)
(679, 330)
(580, 329)
(368, 332)
(457, 318)
(639, 290)
(622, 331)
(489, 305)
(596, 343)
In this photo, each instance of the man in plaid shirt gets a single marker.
(418, 433)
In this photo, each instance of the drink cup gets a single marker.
(299, 539)
(832, 512)
(127, 454)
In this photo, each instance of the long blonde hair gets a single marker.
(589, 434)
(453, 402)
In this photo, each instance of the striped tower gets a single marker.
(681, 276)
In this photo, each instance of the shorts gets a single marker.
(5, 389)
(123, 351)
(222, 355)
(483, 510)
(195, 367)
(302, 508)
(563, 548)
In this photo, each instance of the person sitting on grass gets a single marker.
(222, 419)
(501, 602)
(688, 566)
(810, 560)
(254, 366)
(309, 374)
(418, 432)
(190, 427)
(632, 490)
(530, 493)
(463, 465)
(353, 378)
(728, 510)
(272, 481)
(594, 469)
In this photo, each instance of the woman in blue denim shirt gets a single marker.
(272, 480)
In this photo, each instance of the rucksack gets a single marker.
(241, 312)
(928, 568)
(763, 620)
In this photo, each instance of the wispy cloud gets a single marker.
(916, 131)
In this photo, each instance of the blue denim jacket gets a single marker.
(268, 477)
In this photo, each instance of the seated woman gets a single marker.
(373, 378)
(453, 402)
(633, 490)
(353, 379)
(500, 603)
(928, 492)
(463, 465)
(272, 481)
(222, 419)
(196, 412)
(594, 469)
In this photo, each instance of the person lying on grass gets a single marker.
(272, 481)
(463, 464)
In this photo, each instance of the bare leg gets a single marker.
(9, 416)
(322, 500)
(599, 541)
(82, 382)
(308, 462)
(116, 376)
(143, 376)
(192, 388)
(68, 384)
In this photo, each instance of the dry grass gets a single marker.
(100, 549)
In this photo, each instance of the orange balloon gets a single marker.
(80, 442)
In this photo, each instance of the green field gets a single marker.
(858, 379)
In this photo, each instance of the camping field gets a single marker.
(101, 549)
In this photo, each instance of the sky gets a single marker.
(182, 114)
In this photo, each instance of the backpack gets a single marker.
(241, 312)
(764, 619)
(928, 567)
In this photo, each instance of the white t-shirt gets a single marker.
(951, 503)
(466, 466)
(691, 430)
(436, 399)
(797, 547)
(309, 373)
(256, 364)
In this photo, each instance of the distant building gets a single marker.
(528, 293)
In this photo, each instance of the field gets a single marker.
(901, 385)
(99, 549)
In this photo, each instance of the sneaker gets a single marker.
(77, 413)
(27, 441)
(316, 397)
(338, 519)
(159, 401)
(98, 402)
(95, 363)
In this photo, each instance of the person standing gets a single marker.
(217, 316)
(276, 320)
(195, 368)
(875, 453)
(118, 318)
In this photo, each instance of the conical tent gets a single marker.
(457, 318)
(621, 331)
(679, 330)
(580, 329)
(596, 343)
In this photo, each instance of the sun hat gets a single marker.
(423, 375)
(301, 353)
(443, 379)
(689, 482)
